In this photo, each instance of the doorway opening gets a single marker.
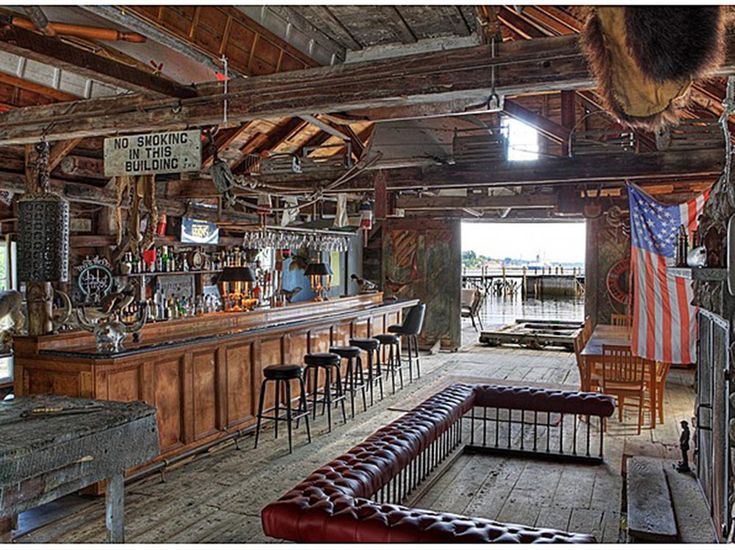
(521, 271)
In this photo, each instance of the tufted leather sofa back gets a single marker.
(543, 400)
(332, 504)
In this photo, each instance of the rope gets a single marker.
(728, 106)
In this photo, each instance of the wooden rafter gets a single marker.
(263, 143)
(545, 126)
(527, 66)
(40, 89)
(223, 139)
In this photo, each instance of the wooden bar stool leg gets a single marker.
(350, 383)
(260, 411)
(341, 393)
(328, 397)
(379, 371)
(288, 415)
(371, 377)
(303, 403)
(358, 366)
(315, 390)
(416, 349)
(399, 365)
(278, 406)
(391, 367)
(410, 359)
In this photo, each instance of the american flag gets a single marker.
(664, 321)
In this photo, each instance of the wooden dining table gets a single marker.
(611, 335)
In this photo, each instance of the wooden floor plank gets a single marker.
(218, 496)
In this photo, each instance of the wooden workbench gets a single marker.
(46, 455)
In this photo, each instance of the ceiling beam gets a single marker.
(606, 168)
(528, 66)
(480, 201)
(524, 66)
(57, 53)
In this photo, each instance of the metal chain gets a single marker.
(44, 182)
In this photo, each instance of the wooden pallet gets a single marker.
(534, 334)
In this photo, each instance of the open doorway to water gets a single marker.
(525, 271)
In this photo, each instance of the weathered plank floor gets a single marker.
(218, 496)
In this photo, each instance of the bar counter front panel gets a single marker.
(202, 374)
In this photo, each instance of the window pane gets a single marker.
(522, 140)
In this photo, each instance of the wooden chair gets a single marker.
(581, 362)
(623, 375)
(587, 329)
(621, 320)
(472, 309)
(662, 373)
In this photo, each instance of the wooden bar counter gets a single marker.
(202, 373)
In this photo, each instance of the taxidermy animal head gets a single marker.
(645, 58)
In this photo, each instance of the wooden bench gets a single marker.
(650, 511)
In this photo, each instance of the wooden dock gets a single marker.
(537, 282)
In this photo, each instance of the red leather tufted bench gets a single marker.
(333, 504)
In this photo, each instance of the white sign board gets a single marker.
(164, 153)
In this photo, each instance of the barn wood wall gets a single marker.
(606, 245)
(425, 254)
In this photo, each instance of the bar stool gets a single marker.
(371, 345)
(333, 391)
(411, 328)
(354, 376)
(285, 374)
(393, 364)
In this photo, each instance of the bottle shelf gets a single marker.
(157, 273)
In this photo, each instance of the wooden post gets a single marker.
(39, 297)
(115, 508)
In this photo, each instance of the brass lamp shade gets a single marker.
(237, 275)
(317, 268)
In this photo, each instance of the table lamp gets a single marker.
(236, 300)
(320, 278)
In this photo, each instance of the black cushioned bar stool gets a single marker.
(375, 373)
(393, 361)
(333, 392)
(410, 328)
(282, 375)
(354, 375)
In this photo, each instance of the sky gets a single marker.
(552, 242)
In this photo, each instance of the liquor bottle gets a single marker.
(159, 261)
(164, 259)
(171, 310)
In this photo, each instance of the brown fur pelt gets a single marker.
(673, 42)
(644, 59)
